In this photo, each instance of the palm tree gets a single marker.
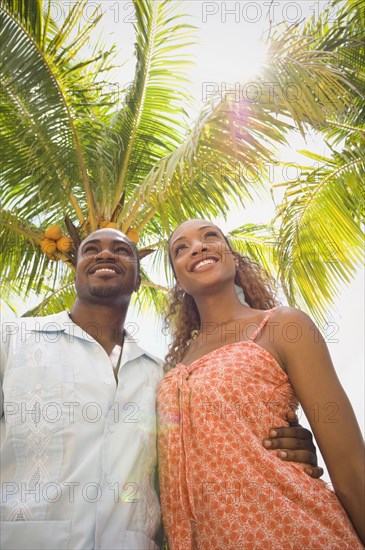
(319, 235)
(315, 242)
(77, 159)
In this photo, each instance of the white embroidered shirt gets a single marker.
(78, 452)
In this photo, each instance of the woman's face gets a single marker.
(200, 256)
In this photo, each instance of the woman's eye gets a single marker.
(211, 234)
(178, 248)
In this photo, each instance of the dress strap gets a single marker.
(257, 331)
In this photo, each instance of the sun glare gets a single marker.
(228, 61)
(238, 61)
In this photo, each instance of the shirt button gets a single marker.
(109, 480)
(38, 386)
(108, 381)
(112, 429)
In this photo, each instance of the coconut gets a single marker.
(64, 244)
(53, 232)
(133, 235)
(48, 246)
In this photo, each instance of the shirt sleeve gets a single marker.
(8, 330)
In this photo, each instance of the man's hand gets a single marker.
(295, 444)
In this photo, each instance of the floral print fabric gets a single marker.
(220, 489)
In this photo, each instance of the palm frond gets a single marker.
(257, 241)
(55, 300)
(304, 81)
(32, 104)
(21, 260)
(29, 13)
(320, 241)
(343, 37)
(148, 125)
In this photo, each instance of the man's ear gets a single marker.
(138, 283)
(145, 252)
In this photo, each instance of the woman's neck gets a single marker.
(219, 307)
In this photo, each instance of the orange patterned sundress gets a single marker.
(220, 489)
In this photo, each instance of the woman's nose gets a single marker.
(198, 247)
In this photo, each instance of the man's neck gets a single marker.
(104, 323)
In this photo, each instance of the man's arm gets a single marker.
(7, 329)
(294, 444)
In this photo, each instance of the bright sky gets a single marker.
(229, 51)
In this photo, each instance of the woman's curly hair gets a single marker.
(182, 315)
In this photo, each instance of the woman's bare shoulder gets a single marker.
(286, 314)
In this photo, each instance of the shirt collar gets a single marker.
(131, 351)
(61, 322)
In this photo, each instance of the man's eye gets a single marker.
(91, 249)
(123, 250)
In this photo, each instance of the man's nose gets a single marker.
(105, 253)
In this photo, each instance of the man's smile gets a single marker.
(110, 268)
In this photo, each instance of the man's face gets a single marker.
(107, 268)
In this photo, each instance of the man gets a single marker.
(79, 428)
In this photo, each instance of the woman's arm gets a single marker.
(327, 408)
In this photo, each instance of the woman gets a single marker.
(230, 366)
